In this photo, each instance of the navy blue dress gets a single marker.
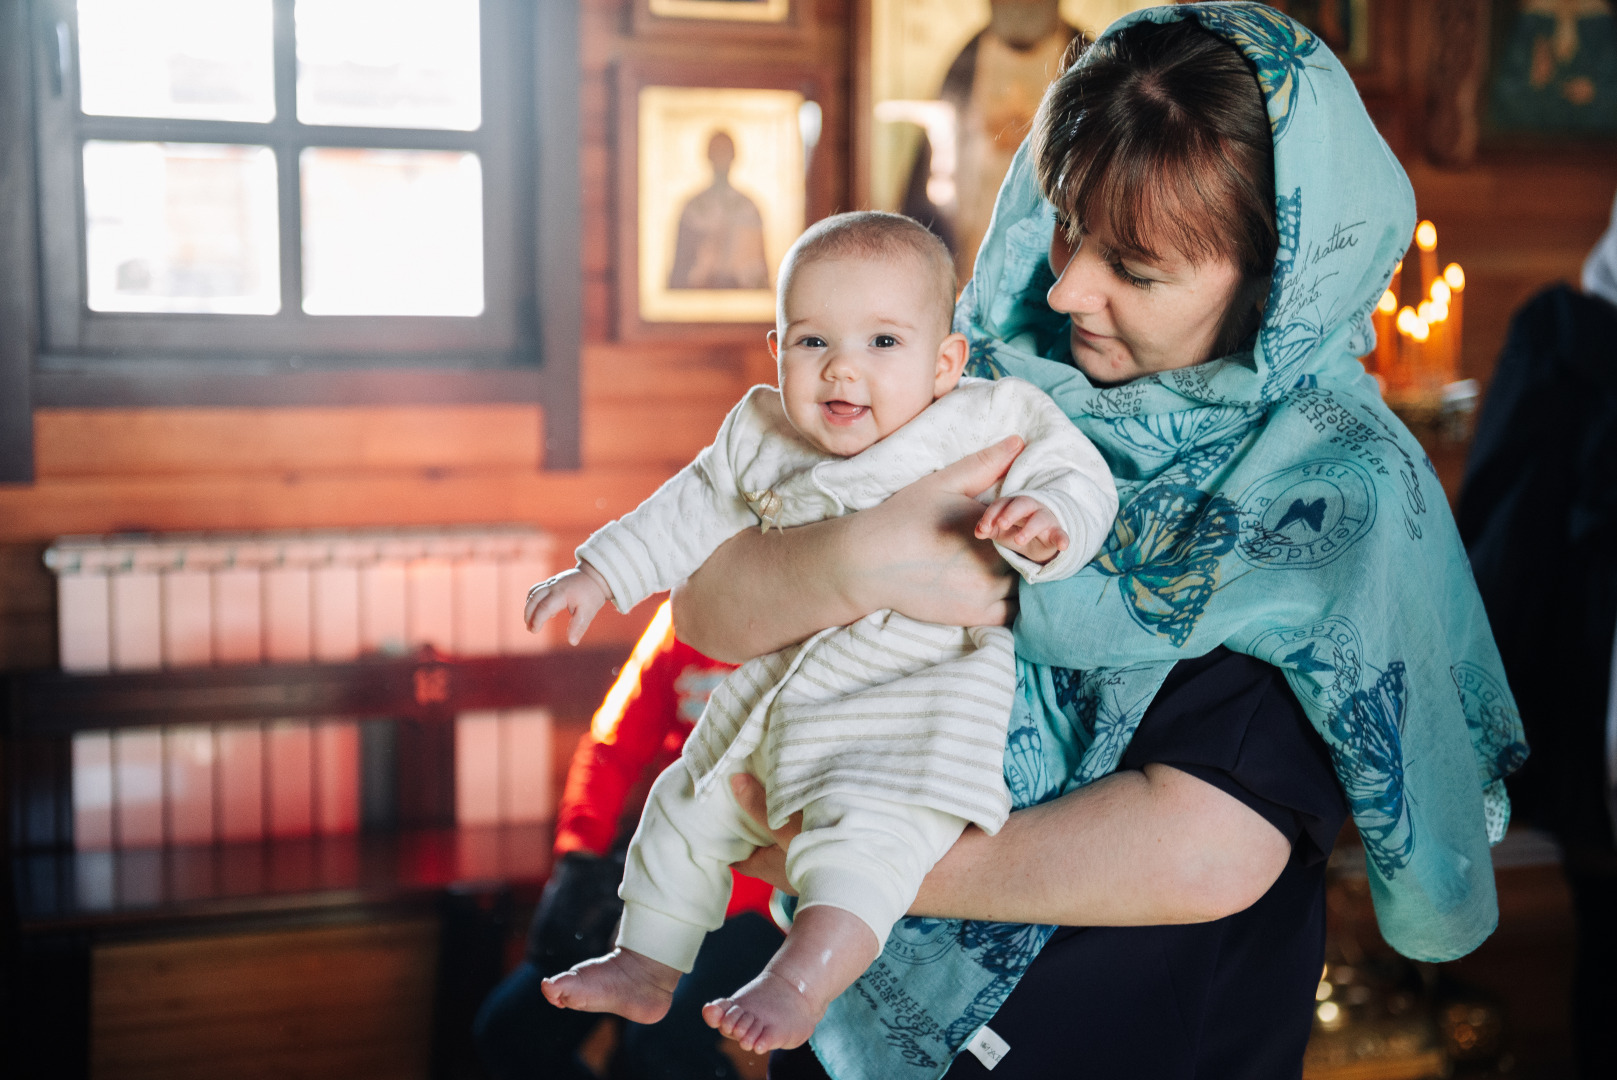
(1229, 998)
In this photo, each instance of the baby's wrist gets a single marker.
(594, 577)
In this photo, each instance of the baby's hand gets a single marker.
(1024, 525)
(581, 591)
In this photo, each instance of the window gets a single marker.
(231, 191)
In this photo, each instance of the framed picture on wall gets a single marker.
(717, 177)
(1553, 69)
(729, 18)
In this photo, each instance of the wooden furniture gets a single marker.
(61, 904)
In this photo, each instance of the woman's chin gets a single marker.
(1101, 375)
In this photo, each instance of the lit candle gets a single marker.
(1402, 375)
(1440, 351)
(1384, 319)
(1454, 278)
(1419, 339)
(1430, 373)
(1426, 240)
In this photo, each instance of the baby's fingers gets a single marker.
(542, 604)
(1057, 538)
(583, 615)
(990, 521)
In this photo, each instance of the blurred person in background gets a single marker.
(1541, 491)
(995, 86)
(636, 733)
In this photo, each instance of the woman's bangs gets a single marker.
(1153, 205)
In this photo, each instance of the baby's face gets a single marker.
(862, 348)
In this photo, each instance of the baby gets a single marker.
(887, 734)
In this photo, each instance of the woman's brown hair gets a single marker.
(1160, 133)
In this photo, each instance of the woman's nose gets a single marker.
(1078, 286)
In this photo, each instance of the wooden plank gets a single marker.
(670, 433)
(621, 371)
(558, 501)
(281, 882)
(199, 441)
(350, 1001)
(27, 608)
(424, 687)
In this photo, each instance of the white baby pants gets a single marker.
(863, 854)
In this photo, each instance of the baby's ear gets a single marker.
(952, 353)
(774, 345)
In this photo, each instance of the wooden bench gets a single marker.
(62, 904)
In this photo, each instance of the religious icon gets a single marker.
(1555, 67)
(737, 10)
(720, 197)
(955, 86)
(721, 234)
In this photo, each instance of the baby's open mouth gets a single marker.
(843, 412)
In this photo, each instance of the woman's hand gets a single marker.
(919, 553)
(915, 553)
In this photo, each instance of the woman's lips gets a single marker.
(843, 412)
(1088, 337)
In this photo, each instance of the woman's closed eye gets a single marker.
(1124, 274)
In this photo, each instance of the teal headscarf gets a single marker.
(1271, 504)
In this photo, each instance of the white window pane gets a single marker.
(194, 59)
(392, 232)
(181, 227)
(389, 63)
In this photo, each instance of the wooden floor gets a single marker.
(348, 1001)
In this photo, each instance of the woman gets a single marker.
(1185, 258)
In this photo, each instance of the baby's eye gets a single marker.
(884, 341)
(811, 341)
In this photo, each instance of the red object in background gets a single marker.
(638, 730)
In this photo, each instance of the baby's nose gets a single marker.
(841, 365)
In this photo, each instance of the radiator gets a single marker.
(144, 602)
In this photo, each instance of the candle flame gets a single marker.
(1426, 236)
(1407, 320)
(1454, 276)
(1439, 312)
(1441, 293)
(1420, 332)
(1399, 268)
(1424, 312)
(1388, 304)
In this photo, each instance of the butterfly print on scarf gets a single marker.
(1165, 550)
(1367, 748)
(1276, 46)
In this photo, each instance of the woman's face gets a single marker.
(1132, 315)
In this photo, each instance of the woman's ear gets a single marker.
(952, 353)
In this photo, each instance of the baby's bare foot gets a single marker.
(623, 981)
(769, 1013)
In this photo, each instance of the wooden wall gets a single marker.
(648, 407)
(1518, 219)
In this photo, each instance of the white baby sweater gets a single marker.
(910, 710)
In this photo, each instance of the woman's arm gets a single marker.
(914, 553)
(1136, 848)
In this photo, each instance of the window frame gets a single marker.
(58, 353)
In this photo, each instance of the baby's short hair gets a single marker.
(872, 234)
